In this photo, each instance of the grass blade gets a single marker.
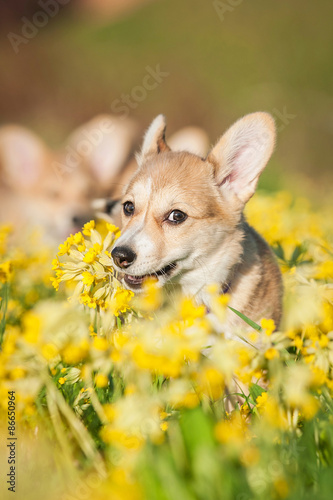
(247, 320)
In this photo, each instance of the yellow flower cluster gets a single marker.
(89, 264)
(137, 365)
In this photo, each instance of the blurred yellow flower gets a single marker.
(101, 380)
(271, 353)
(5, 271)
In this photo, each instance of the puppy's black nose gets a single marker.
(123, 256)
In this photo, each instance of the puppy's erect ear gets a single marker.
(242, 153)
(23, 157)
(154, 141)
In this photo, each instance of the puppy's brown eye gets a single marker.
(128, 208)
(177, 216)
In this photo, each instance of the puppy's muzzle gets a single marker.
(123, 256)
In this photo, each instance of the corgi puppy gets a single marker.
(183, 221)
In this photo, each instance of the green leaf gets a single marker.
(197, 431)
(279, 252)
(298, 251)
(247, 320)
(256, 391)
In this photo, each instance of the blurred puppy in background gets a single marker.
(53, 190)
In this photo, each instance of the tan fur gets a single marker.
(214, 243)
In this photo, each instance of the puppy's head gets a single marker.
(178, 208)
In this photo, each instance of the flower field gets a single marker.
(137, 397)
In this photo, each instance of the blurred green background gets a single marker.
(224, 59)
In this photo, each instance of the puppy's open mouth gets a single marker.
(137, 281)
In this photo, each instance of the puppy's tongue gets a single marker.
(134, 280)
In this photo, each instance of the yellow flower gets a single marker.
(231, 431)
(210, 382)
(55, 282)
(31, 327)
(273, 413)
(281, 487)
(49, 351)
(73, 354)
(110, 411)
(261, 401)
(5, 271)
(310, 406)
(189, 400)
(88, 278)
(120, 301)
(156, 363)
(4, 233)
(164, 426)
(92, 332)
(268, 325)
(81, 247)
(121, 438)
(327, 315)
(272, 353)
(65, 247)
(190, 311)
(88, 301)
(113, 229)
(130, 389)
(297, 342)
(323, 341)
(90, 256)
(318, 376)
(17, 373)
(78, 238)
(151, 298)
(100, 343)
(325, 270)
(62, 380)
(101, 380)
(88, 227)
